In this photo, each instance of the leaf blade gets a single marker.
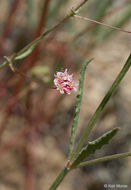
(95, 145)
(104, 159)
(77, 109)
(26, 52)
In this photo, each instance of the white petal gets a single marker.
(61, 91)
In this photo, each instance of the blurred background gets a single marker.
(35, 119)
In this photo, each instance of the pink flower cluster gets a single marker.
(64, 82)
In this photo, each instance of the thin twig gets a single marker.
(103, 24)
(87, 28)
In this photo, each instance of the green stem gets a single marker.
(101, 107)
(59, 179)
(103, 159)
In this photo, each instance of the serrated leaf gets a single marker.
(78, 105)
(94, 145)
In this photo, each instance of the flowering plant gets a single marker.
(77, 154)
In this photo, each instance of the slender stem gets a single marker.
(103, 24)
(59, 179)
(104, 159)
(101, 107)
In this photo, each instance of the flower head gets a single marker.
(64, 82)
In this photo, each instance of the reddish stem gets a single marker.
(8, 23)
(29, 160)
(30, 61)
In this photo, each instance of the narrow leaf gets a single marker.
(104, 159)
(94, 145)
(78, 105)
(26, 52)
(98, 111)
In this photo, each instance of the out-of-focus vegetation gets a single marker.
(35, 120)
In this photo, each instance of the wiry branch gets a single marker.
(103, 24)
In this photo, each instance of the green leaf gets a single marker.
(94, 145)
(78, 105)
(99, 109)
(26, 52)
(104, 159)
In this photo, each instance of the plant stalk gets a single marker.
(59, 179)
